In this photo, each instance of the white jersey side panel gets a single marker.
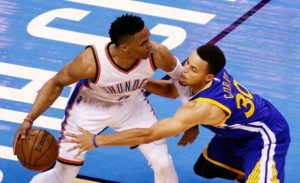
(116, 85)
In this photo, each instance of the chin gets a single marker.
(146, 57)
(182, 83)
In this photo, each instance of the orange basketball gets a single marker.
(38, 151)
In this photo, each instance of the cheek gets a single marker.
(142, 49)
(191, 77)
(195, 78)
(138, 50)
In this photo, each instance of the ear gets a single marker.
(209, 77)
(123, 47)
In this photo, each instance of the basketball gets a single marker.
(38, 151)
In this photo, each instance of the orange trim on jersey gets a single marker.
(97, 62)
(72, 162)
(205, 154)
(218, 104)
(151, 60)
(114, 64)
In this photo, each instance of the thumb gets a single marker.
(23, 134)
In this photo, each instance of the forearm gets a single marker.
(136, 136)
(176, 71)
(162, 88)
(130, 137)
(45, 98)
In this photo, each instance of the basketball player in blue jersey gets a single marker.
(251, 137)
(108, 93)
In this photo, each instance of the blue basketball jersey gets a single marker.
(253, 139)
(244, 109)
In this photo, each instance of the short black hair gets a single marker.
(214, 56)
(125, 25)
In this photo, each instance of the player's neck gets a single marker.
(200, 87)
(121, 58)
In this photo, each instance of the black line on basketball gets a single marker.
(36, 136)
(50, 146)
(22, 152)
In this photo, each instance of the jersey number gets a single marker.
(244, 99)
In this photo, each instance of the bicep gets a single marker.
(187, 117)
(195, 113)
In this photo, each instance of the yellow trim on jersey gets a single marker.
(77, 180)
(205, 154)
(254, 176)
(218, 104)
(274, 173)
(206, 86)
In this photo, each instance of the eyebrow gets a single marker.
(192, 65)
(144, 41)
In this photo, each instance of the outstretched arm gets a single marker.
(187, 116)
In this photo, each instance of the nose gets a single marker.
(185, 68)
(149, 45)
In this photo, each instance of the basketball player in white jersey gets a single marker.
(108, 93)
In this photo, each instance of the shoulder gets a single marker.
(84, 65)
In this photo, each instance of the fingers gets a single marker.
(83, 141)
(21, 133)
(17, 136)
(23, 130)
(73, 148)
(82, 130)
(70, 141)
(76, 147)
(73, 135)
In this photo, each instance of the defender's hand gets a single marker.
(84, 141)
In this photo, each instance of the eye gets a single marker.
(194, 69)
(144, 42)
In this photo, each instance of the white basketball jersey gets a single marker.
(114, 84)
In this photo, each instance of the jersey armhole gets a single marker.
(218, 104)
(152, 62)
(97, 62)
